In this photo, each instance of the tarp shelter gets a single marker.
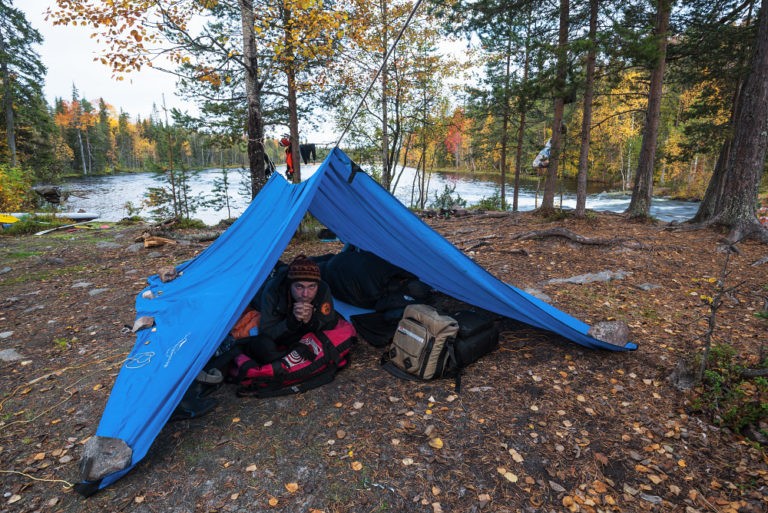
(194, 312)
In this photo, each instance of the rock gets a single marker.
(108, 245)
(96, 292)
(103, 456)
(143, 322)
(81, 285)
(6, 334)
(682, 377)
(538, 294)
(648, 286)
(54, 261)
(9, 355)
(613, 332)
(167, 274)
(591, 277)
(5, 270)
(135, 248)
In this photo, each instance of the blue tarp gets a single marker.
(194, 312)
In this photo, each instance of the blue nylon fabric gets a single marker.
(364, 214)
(194, 312)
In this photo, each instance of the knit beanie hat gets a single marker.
(303, 269)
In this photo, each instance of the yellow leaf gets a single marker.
(292, 487)
(234, 496)
(39, 456)
(509, 476)
(681, 463)
(235, 420)
(654, 479)
(436, 443)
(139, 499)
(516, 456)
(272, 502)
(356, 465)
(97, 387)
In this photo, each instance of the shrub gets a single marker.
(15, 185)
(446, 201)
(727, 395)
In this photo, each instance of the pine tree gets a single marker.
(21, 72)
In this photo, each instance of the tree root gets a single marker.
(579, 239)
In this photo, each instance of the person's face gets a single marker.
(304, 291)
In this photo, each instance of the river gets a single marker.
(108, 195)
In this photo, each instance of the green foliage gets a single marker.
(189, 224)
(446, 200)
(491, 203)
(727, 396)
(15, 185)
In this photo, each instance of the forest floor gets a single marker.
(540, 425)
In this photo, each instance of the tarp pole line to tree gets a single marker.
(378, 72)
(194, 312)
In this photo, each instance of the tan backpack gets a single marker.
(422, 347)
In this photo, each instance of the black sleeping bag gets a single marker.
(363, 279)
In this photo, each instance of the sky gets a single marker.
(68, 53)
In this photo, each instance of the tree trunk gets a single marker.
(255, 124)
(640, 204)
(505, 124)
(746, 159)
(586, 122)
(293, 117)
(548, 199)
(10, 126)
(384, 84)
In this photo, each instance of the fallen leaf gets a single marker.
(484, 499)
(235, 420)
(234, 496)
(516, 456)
(436, 491)
(407, 461)
(272, 502)
(268, 423)
(437, 508)
(602, 458)
(98, 387)
(358, 405)
(356, 466)
(39, 456)
(681, 463)
(139, 499)
(14, 498)
(292, 487)
(341, 434)
(251, 468)
(436, 443)
(581, 398)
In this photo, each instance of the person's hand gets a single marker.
(303, 312)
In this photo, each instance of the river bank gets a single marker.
(541, 424)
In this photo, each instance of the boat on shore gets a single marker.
(71, 216)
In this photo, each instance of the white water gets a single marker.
(108, 195)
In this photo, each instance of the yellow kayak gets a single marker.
(7, 219)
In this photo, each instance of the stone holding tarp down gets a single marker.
(103, 456)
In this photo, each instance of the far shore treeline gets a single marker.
(633, 97)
